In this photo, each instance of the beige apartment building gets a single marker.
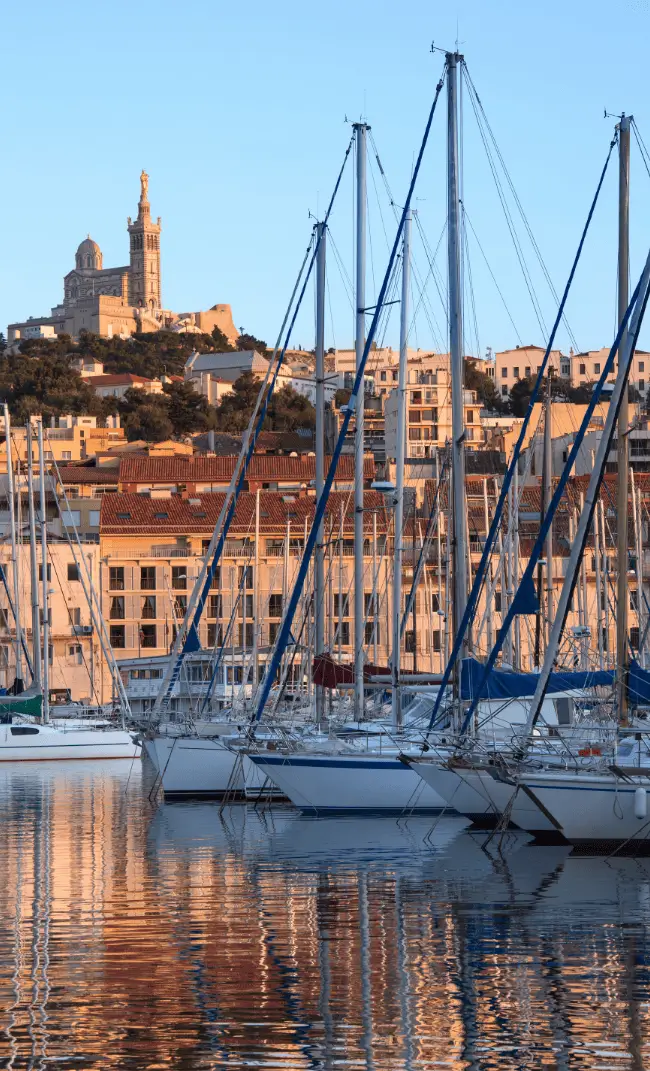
(428, 416)
(523, 362)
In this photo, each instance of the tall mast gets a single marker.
(46, 586)
(399, 471)
(319, 552)
(361, 130)
(622, 660)
(548, 494)
(459, 523)
(14, 556)
(256, 601)
(33, 561)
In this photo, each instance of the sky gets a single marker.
(238, 113)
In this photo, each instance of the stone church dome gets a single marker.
(88, 255)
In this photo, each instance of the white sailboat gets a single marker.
(27, 733)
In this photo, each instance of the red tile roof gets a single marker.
(71, 474)
(116, 379)
(203, 469)
(132, 514)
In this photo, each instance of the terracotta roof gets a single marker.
(202, 468)
(134, 514)
(70, 474)
(116, 379)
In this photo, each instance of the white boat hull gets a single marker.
(44, 743)
(594, 810)
(349, 784)
(199, 767)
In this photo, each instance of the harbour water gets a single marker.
(136, 935)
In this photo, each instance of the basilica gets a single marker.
(120, 301)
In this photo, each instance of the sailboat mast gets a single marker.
(45, 581)
(548, 494)
(14, 556)
(399, 471)
(33, 561)
(459, 522)
(361, 130)
(623, 459)
(319, 551)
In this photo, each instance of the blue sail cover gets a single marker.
(638, 685)
(502, 684)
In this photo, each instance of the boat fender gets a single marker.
(640, 803)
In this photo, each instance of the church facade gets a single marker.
(124, 300)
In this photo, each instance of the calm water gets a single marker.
(134, 936)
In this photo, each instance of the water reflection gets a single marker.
(134, 937)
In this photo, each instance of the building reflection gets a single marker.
(133, 937)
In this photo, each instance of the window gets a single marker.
(148, 607)
(641, 366)
(4, 617)
(73, 571)
(246, 637)
(634, 599)
(504, 391)
(116, 578)
(75, 615)
(71, 518)
(179, 577)
(249, 575)
(497, 602)
(469, 416)
(180, 605)
(634, 638)
(435, 601)
(274, 628)
(214, 606)
(117, 636)
(345, 633)
(437, 646)
(275, 605)
(504, 373)
(415, 434)
(148, 636)
(247, 606)
(161, 516)
(415, 415)
(527, 371)
(341, 606)
(515, 371)
(215, 634)
(370, 632)
(583, 370)
(409, 641)
(642, 384)
(216, 579)
(93, 518)
(24, 730)
(416, 397)
(382, 377)
(148, 577)
(75, 656)
(49, 572)
(117, 608)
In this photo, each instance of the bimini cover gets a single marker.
(502, 684)
(638, 685)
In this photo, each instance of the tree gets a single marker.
(221, 342)
(149, 422)
(290, 410)
(520, 396)
(234, 410)
(3, 343)
(484, 386)
(342, 397)
(187, 410)
(249, 342)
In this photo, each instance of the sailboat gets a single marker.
(26, 731)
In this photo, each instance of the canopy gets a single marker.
(502, 684)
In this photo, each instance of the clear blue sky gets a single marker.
(237, 113)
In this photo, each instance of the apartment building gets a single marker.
(78, 671)
(428, 416)
(523, 362)
(586, 369)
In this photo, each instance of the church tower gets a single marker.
(144, 274)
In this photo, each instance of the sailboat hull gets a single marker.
(596, 812)
(196, 767)
(335, 784)
(44, 743)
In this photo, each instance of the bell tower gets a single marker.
(144, 274)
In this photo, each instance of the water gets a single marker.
(134, 936)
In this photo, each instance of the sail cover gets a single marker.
(503, 684)
(638, 685)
